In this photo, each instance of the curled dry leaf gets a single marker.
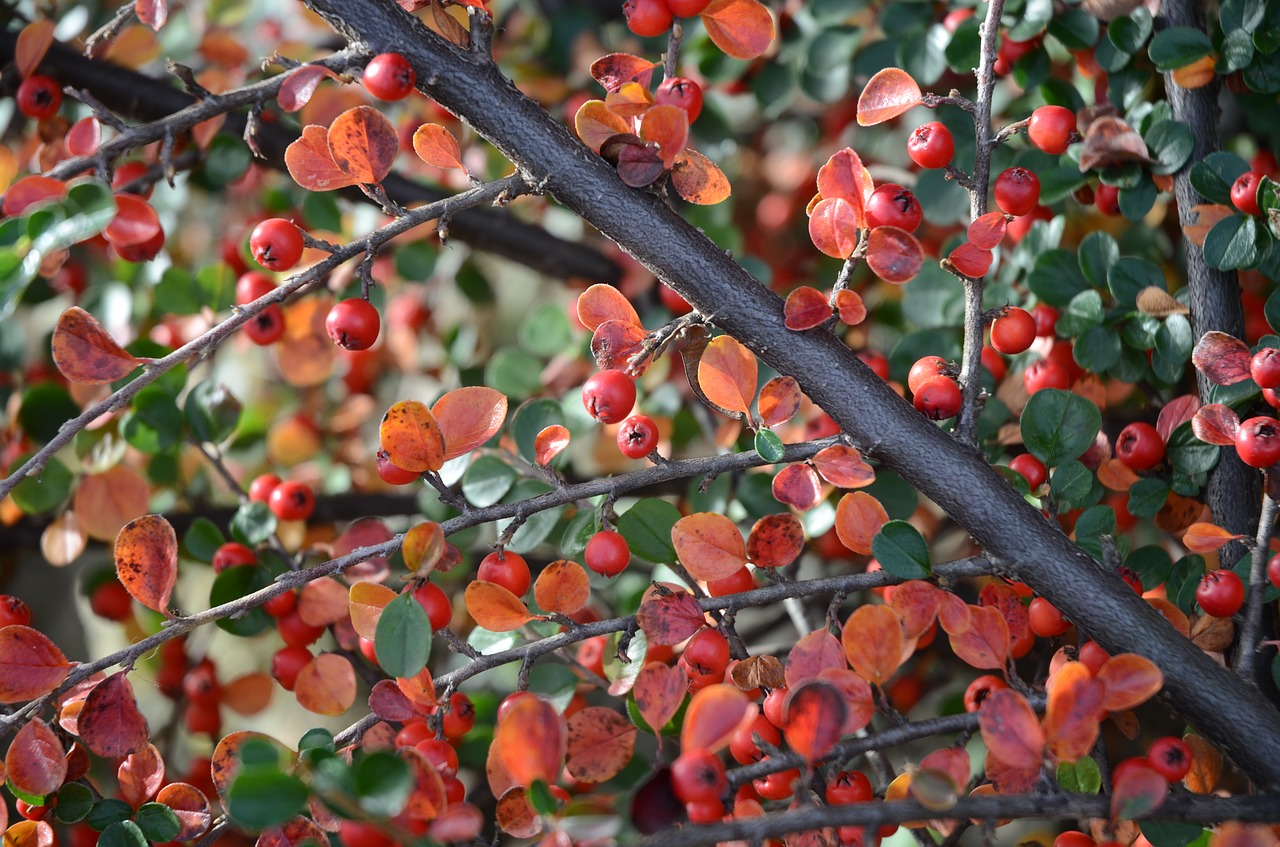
(1206, 766)
(1110, 141)
(613, 70)
(758, 672)
(888, 94)
(146, 554)
(1202, 218)
(1213, 635)
(1158, 303)
(86, 353)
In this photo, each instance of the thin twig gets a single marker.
(1251, 626)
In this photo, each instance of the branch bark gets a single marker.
(1224, 708)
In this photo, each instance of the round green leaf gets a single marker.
(108, 811)
(253, 523)
(124, 834)
(158, 822)
(45, 491)
(383, 783)
(646, 526)
(203, 539)
(260, 797)
(901, 550)
(1058, 425)
(234, 583)
(74, 802)
(487, 480)
(403, 637)
(769, 446)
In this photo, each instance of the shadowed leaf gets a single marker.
(296, 90)
(668, 127)
(894, 254)
(424, 546)
(814, 716)
(1130, 681)
(86, 353)
(110, 723)
(873, 642)
(670, 619)
(363, 143)
(613, 70)
(366, 600)
(191, 807)
(601, 743)
(1139, 791)
(709, 545)
(713, 716)
(1010, 729)
(531, 741)
(35, 762)
(327, 685)
(779, 400)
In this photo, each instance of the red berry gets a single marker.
(1051, 127)
(388, 76)
(1258, 442)
(879, 364)
(13, 611)
(143, 251)
(231, 555)
(607, 553)
(262, 486)
(461, 717)
(1017, 191)
(1046, 620)
(1171, 757)
(1092, 656)
(698, 776)
(436, 603)
(893, 205)
(705, 811)
(1031, 468)
(1074, 838)
(647, 18)
(1013, 331)
(1140, 446)
(1046, 319)
(203, 718)
(39, 97)
(609, 396)
(281, 604)
(931, 145)
(772, 707)
(201, 682)
(34, 813)
(295, 631)
(1273, 570)
(1264, 367)
(439, 753)
(408, 311)
(735, 583)
(1107, 200)
(1220, 593)
(637, 437)
(414, 732)
(391, 473)
(980, 689)
(938, 398)
(276, 244)
(507, 569)
(778, 785)
(743, 747)
(925, 369)
(682, 92)
(1244, 192)
(1045, 373)
(707, 651)
(687, 8)
(110, 600)
(1131, 579)
(353, 324)
(849, 787)
(252, 285)
(266, 327)
(994, 362)
(361, 834)
(292, 501)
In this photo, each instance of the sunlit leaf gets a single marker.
(743, 29)
(859, 517)
(806, 306)
(844, 176)
(843, 467)
(709, 545)
(366, 600)
(797, 485)
(727, 374)
(436, 146)
(323, 602)
(630, 100)
(468, 417)
(412, 437)
(668, 127)
(600, 744)
(613, 70)
(698, 179)
(191, 807)
(775, 541)
(311, 164)
(531, 740)
(873, 641)
(153, 13)
(295, 92)
(563, 586)
(1223, 359)
(1207, 537)
(833, 229)
(363, 143)
(146, 554)
(614, 342)
(600, 303)
(36, 761)
(495, 608)
(1072, 712)
(549, 443)
(596, 124)
(889, 93)
(713, 716)
(423, 548)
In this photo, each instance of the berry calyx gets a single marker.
(1017, 191)
(1140, 446)
(388, 76)
(607, 553)
(1220, 593)
(931, 145)
(39, 96)
(353, 324)
(1244, 192)
(637, 437)
(391, 473)
(609, 396)
(683, 92)
(276, 244)
(1050, 128)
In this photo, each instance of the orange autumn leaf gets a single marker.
(600, 744)
(1203, 217)
(366, 600)
(323, 602)
(1116, 475)
(595, 124)
(1130, 680)
(423, 548)
(987, 231)
(30, 834)
(549, 443)
(1207, 537)
(698, 179)
(105, 502)
(888, 94)
(668, 127)
(849, 307)
(833, 229)
(531, 741)
(859, 516)
(743, 29)
(843, 467)
(146, 554)
(873, 642)
(985, 642)
(436, 146)
(917, 603)
(311, 165)
(775, 541)
(844, 176)
(600, 303)
(814, 717)
(412, 437)
(659, 690)
(468, 417)
(563, 586)
(1010, 729)
(779, 400)
(709, 545)
(615, 69)
(363, 143)
(727, 374)
(248, 694)
(140, 775)
(32, 43)
(495, 608)
(326, 685)
(1071, 716)
(797, 485)
(713, 716)
(630, 100)
(86, 353)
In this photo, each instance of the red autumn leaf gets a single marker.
(225, 762)
(949, 762)
(1002, 597)
(468, 417)
(140, 775)
(1174, 413)
(600, 303)
(110, 723)
(412, 437)
(295, 832)
(614, 342)
(423, 547)
(814, 715)
(987, 231)
(954, 615)
(365, 602)
(323, 602)
(743, 29)
(1006, 779)
(516, 816)
(859, 703)
(613, 70)
(311, 164)
(1207, 537)
(1072, 711)
(1010, 729)
(797, 485)
(36, 761)
(1130, 681)
(715, 713)
(153, 13)
(698, 179)
(30, 190)
(670, 619)
(843, 467)
(668, 127)
(31, 45)
(136, 221)
(30, 664)
(1139, 790)
(458, 823)
(638, 163)
(845, 177)
(1223, 359)
(873, 641)
(985, 643)
(363, 143)
(659, 690)
(436, 146)
(428, 797)
(191, 807)
(1110, 141)
(1216, 424)
(889, 93)
(420, 689)
(86, 353)
(531, 741)
(894, 254)
(812, 654)
(806, 306)
(833, 228)
(326, 685)
(859, 517)
(295, 92)
(970, 260)
(563, 586)
(727, 374)
(709, 545)
(146, 554)
(916, 602)
(601, 743)
(849, 307)
(549, 443)
(389, 703)
(495, 608)
(84, 137)
(775, 541)
(779, 400)
(595, 124)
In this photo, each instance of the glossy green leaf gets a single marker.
(769, 446)
(202, 539)
(158, 822)
(108, 811)
(403, 637)
(212, 411)
(646, 526)
(1147, 496)
(253, 523)
(1058, 425)
(1213, 175)
(1081, 776)
(1178, 47)
(74, 802)
(234, 583)
(262, 797)
(123, 834)
(901, 550)
(487, 480)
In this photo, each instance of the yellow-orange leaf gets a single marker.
(727, 374)
(596, 124)
(888, 94)
(363, 143)
(600, 303)
(412, 437)
(105, 502)
(86, 353)
(630, 100)
(698, 179)
(709, 545)
(495, 608)
(549, 443)
(668, 127)
(1072, 712)
(33, 42)
(423, 547)
(436, 146)
(873, 641)
(1207, 537)
(1130, 681)
(366, 601)
(146, 555)
(248, 694)
(326, 685)
(859, 517)
(531, 740)
(713, 716)
(563, 586)
(741, 28)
